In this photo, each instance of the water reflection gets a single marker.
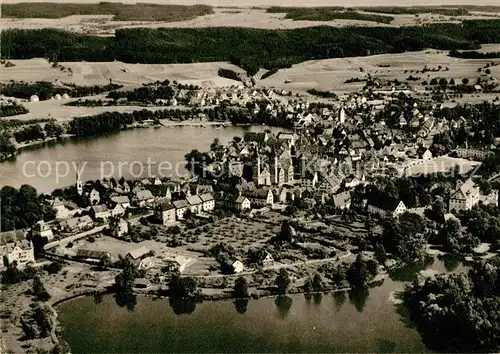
(126, 299)
(408, 272)
(317, 297)
(182, 306)
(241, 305)
(98, 296)
(404, 315)
(358, 297)
(340, 299)
(450, 263)
(283, 305)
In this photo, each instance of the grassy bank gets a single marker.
(120, 12)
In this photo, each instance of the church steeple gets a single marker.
(79, 184)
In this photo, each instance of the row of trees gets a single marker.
(108, 122)
(36, 131)
(248, 47)
(12, 109)
(146, 94)
(472, 54)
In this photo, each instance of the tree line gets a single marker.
(472, 54)
(120, 12)
(12, 109)
(46, 90)
(250, 48)
(328, 14)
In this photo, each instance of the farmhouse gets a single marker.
(167, 214)
(122, 199)
(94, 197)
(342, 200)
(260, 198)
(195, 204)
(181, 206)
(121, 228)
(118, 210)
(93, 255)
(77, 224)
(144, 197)
(43, 230)
(208, 202)
(101, 212)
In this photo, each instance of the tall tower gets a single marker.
(79, 184)
(276, 177)
(342, 115)
(258, 169)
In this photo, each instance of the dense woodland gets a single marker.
(46, 90)
(249, 48)
(415, 10)
(120, 12)
(23, 207)
(458, 313)
(12, 109)
(328, 14)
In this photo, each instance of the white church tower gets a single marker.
(79, 184)
(342, 115)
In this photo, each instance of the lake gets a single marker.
(119, 154)
(297, 323)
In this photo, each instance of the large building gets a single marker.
(468, 194)
(15, 248)
(465, 196)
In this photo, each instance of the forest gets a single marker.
(120, 12)
(46, 90)
(249, 48)
(415, 10)
(328, 14)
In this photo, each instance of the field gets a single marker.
(441, 164)
(99, 73)
(331, 74)
(326, 75)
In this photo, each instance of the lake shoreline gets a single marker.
(164, 123)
